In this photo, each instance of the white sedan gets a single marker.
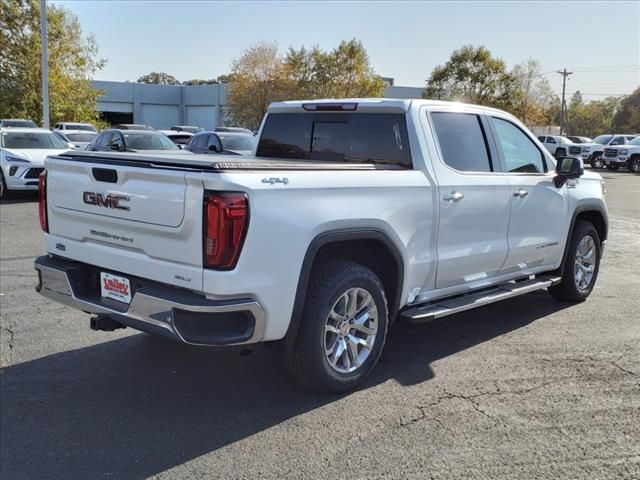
(22, 154)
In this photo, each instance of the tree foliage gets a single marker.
(473, 75)
(73, 59)
(627, 118)
(344, 72)
(535, 99)
(592, 118)
(159, 78)
(262, 75)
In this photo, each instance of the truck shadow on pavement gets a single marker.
(136, 406)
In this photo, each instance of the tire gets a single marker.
(4, 193)
(326, 327)
(634, 164)
(596, 161)
(572, 289)
(561, 152)
(613, 168)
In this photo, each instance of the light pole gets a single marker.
(563, 107)
(45, 64)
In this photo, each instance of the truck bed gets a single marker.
(215, 163)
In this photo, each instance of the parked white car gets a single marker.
(22, 154)
(626, 156)
(64, 126)
(76, 138)
(559, 146)
(179, 137)
(593, 152)
(350, 214)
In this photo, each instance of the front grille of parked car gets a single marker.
(34, 172)
(610, 152)
(575, 150)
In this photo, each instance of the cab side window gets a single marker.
(462, 141)
(520, 153)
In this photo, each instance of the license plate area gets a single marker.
(115, 287)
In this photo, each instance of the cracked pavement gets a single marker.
(527, 388)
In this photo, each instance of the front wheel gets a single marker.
(596, 161)
(581, 265)
(3, 187)
(342, 330)
(634, 164)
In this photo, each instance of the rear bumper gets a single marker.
(154, 308)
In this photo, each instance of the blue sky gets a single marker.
(600, 41)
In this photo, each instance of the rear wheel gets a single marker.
(581, 265)
(342, 330)
(596, 161)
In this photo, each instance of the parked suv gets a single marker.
(592, 152)
(627, 156)
(17, 122)
(352, 213)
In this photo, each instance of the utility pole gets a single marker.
(45, 64)
(563, 106)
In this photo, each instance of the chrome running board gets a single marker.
(450, 305)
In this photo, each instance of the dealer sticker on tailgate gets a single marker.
(115, 287)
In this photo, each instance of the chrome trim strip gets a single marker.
(146, 307)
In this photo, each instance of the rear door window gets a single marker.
(462, 141)
(520, 153)
(379, 138)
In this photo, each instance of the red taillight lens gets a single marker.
(42, 201)
(226, 218)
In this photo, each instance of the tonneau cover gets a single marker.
(215, 162)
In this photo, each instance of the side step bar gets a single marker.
(449, 306)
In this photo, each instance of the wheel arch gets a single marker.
(593, 213)
(371, 247)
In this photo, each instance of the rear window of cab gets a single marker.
(377, 138)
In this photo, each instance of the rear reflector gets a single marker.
(42, 201)
(226, 218)
(330, 107)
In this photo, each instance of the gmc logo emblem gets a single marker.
(108, 201)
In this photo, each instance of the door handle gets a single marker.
(521, 193)
(453, 197)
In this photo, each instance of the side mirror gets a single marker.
(115, 148)
(214, 148)
(568, 167)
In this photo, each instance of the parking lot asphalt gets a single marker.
(527, 388)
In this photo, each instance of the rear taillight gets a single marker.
(226, 218)
(42, 201)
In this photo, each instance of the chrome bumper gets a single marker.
(154, 308)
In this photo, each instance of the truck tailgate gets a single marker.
(140, 221)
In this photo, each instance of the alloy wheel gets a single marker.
(585, 263)
(350, 330)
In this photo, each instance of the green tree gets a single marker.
(344, 72)
(592, 118)
(473, 75)
(159, 78)
(73, 59)
(535, 95)
(627, 119)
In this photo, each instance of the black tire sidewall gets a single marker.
(314, 318)
(583, 229)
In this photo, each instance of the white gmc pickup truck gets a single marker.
(350, 214)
